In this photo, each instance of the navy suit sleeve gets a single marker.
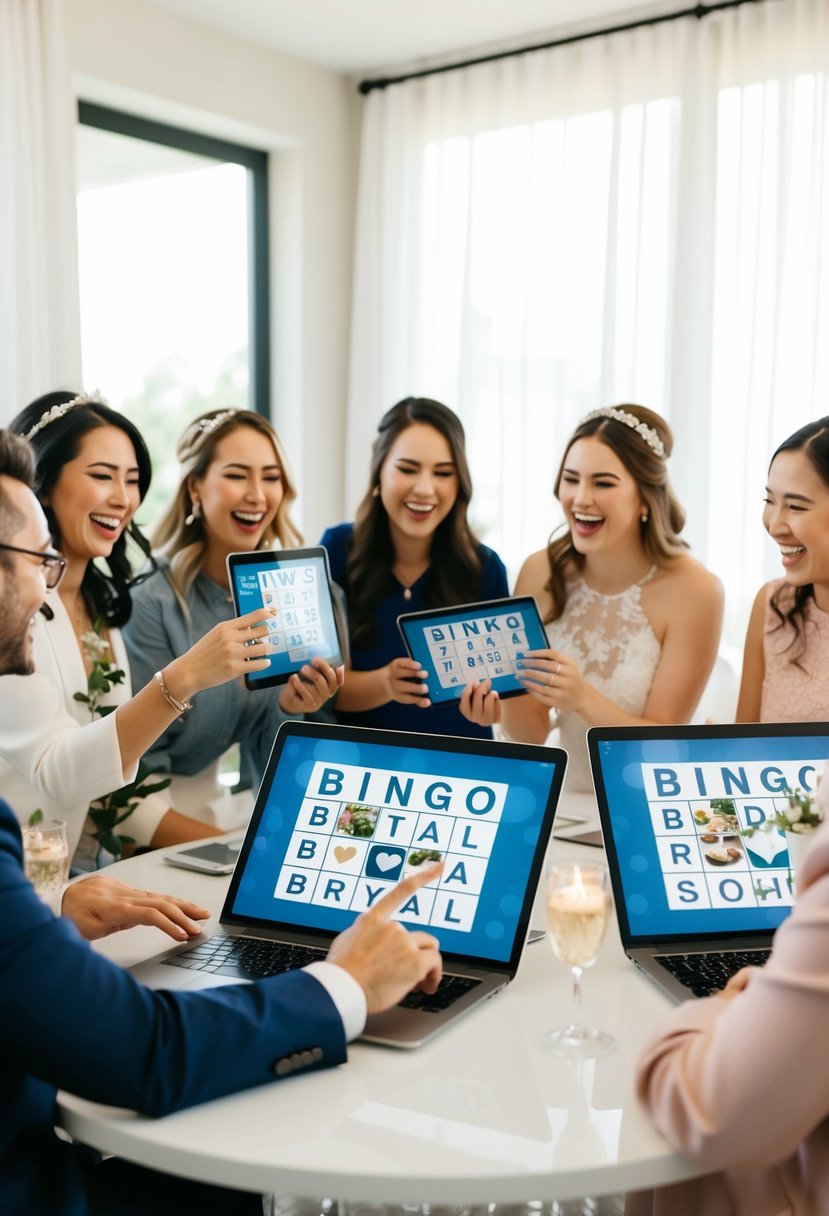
(79, 1022)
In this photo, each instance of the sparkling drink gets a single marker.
(578, 907)
(46, 856)
(577, 926)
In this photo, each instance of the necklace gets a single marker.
(407, 585)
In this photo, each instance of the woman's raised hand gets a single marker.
(231, 648)
(552, 679)
(404, 678)
(481, 704)
(309, 689)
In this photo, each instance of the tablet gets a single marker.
(473, 642)
(297, 583)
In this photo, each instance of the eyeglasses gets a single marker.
(54, 564)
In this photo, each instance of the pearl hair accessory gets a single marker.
(58, 411)
(647, 432)
(209, 424)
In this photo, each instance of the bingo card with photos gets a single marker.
(691, 815)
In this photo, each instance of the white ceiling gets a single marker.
(368, 36)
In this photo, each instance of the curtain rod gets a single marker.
(699, 11)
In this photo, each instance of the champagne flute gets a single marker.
(46, 858)
(578, 906)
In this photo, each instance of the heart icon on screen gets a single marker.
(387, 861)
(344, 853)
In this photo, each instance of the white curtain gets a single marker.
(642, 217)
(39, 314)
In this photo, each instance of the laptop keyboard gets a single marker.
(246, 958)
(253, 958)
(707, 973)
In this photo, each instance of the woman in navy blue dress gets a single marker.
(410, 547)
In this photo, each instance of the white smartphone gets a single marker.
(218, 857)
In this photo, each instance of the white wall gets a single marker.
(134, 57)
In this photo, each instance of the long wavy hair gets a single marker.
(788, 602)
(105, 590)
(184, 544)
(661, 538)
(455, 564)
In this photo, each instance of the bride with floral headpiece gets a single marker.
(633, 621)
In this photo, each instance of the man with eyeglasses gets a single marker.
(71, 1019)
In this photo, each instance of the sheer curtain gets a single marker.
(39, 315)
(640, 217)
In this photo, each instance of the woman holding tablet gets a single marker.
(633, 622)
(410, 547)
(92, 472)
(786, 660)
(234, 494)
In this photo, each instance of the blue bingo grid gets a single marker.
(691, 831)
(297, 587)
(474, 642)
(344, 820)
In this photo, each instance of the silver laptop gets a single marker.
(700, 885)
(342, 814)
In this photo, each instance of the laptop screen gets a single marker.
(685, 813)
(343, 813)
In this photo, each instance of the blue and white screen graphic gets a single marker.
(303, 626)
(696, 850)
(344, 821)
(473, 643)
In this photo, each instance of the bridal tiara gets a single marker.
(58, 411)
(647, 432)
(205, 425)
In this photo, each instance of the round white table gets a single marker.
(479, 1115)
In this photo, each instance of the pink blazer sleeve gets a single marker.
(739, 1080)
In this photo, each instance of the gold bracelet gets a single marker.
(181, 707)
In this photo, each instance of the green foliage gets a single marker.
(418, 857)
(723, 806)
(35, 818)
(109, 812)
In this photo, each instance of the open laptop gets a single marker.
(696, 897)
(342, 814)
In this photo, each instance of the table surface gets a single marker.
(479, 1115)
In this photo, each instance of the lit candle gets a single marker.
(576, 918)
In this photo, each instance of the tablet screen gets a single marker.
(473, 642)
(297, 584)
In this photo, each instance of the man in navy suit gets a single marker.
(70, 1019)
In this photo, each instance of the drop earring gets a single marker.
(644, 517)
(195, 513)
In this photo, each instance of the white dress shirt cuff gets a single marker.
(346, 994)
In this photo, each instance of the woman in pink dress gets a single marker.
(739, 1081)
(786, 659)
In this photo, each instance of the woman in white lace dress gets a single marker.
(633, 621)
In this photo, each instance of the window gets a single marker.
(173, 255)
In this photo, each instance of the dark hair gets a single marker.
(813, 441)
(105, 593)
(17, 461)
(455, 565)
(665, 518)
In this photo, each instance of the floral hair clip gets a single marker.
(58, 411)
(647, 432)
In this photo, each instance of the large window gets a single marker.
(173, 256)
(637, 218)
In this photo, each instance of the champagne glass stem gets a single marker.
(577, 1027)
